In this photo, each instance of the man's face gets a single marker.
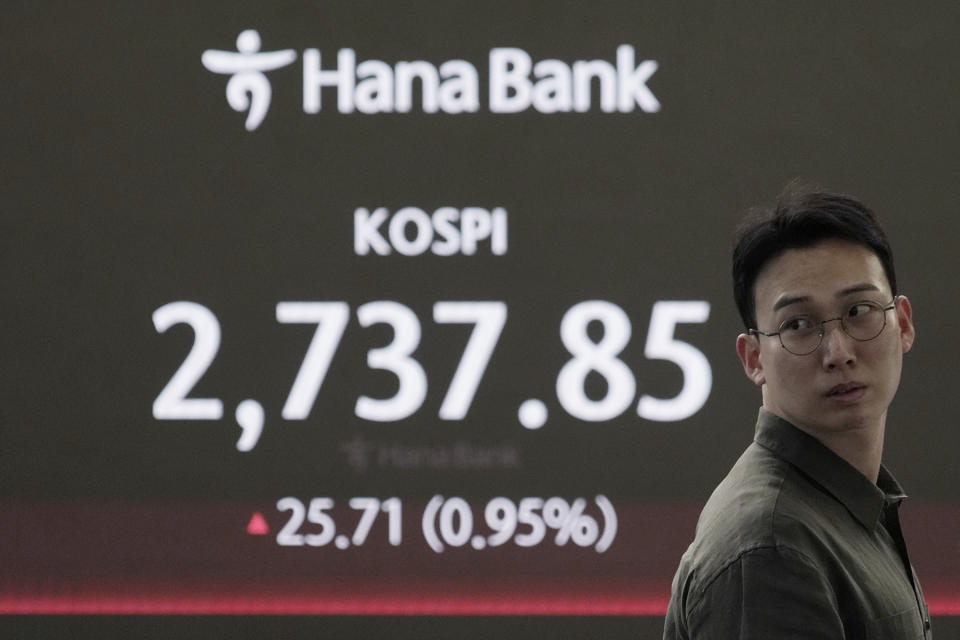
(845, 384)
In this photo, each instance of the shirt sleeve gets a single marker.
(772, 592)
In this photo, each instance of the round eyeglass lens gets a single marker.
(864, 321)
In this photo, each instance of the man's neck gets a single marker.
(861, 446)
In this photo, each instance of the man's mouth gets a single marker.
(845, 390)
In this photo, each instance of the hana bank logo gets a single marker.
(248, 88)
(515, 82)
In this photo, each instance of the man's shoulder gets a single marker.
(764, 503)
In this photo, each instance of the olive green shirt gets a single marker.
(796, 543)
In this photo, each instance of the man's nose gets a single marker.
(837, 346)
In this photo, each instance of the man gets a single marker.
(802, 538)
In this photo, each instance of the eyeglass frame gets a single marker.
(822, 332)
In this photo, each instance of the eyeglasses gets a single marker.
(802, 335)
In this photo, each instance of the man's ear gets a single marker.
(748, 349)
(905, 322)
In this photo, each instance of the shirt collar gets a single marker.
(839, 478)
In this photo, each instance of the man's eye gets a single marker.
(860, 309)
(799, 323)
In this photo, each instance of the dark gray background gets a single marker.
(128, 182)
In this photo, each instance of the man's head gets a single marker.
(800, 218)
(817, 263)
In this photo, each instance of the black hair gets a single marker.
(801, 217)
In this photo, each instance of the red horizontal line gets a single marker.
(403, 606)
(293, 605)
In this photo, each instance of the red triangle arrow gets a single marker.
(258, 525)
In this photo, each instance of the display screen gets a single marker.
(425, 308)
